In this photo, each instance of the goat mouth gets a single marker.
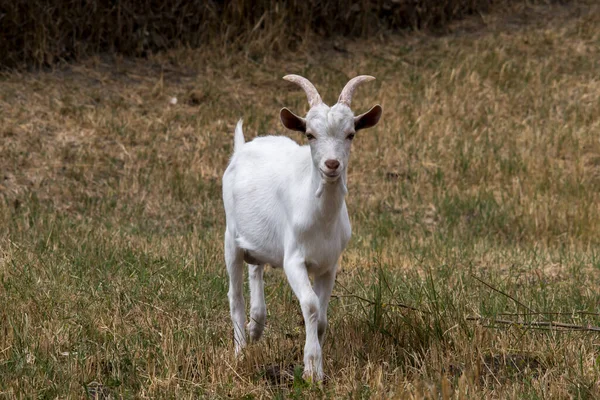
(331, 175)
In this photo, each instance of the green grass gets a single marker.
(474, 203)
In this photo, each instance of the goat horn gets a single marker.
(348, 91)
(311, 92)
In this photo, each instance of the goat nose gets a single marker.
(332, 164)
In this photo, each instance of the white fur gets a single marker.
(285, 207)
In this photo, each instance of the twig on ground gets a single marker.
(384, 304)
(502, 293)
(550, 313)
(538, 324)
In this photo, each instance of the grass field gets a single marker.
(474, 267)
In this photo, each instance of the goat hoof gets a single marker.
(255, 331)
(312, 377)
(239, 352)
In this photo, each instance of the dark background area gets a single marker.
(42, 32)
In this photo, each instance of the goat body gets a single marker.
(270, 203)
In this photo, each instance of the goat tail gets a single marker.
(238, 138)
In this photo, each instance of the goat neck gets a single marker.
(329, 196)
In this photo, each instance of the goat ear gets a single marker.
(368, 119)
(292, 121)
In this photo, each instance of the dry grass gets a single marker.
(477, 195)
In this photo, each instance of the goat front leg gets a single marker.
(323, 287)
(237, 307)
(297, 275)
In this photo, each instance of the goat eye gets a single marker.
(350, 136)
(310, 136)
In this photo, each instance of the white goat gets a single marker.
(284, 206)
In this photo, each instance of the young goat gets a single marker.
(284, 206)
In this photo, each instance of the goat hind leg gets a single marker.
(234, 260)
(258, 307)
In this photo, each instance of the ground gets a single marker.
(474, 266)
